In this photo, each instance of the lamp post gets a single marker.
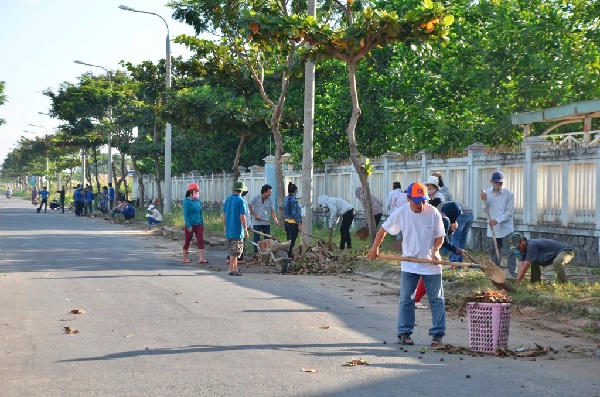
(167, 204)
(46, 141)
(58, 179)
(109, 130)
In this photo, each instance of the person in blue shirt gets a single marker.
(89, 198)
(104, 200)
(194, 222)
(293, 217)
(111, 197)
(78, 198)
(45, 194)
(128, 211)
(236, 228)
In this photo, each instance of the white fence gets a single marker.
(555, 189)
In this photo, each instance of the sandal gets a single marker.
(186, 261)
(404, 339)
(235, 273)
(202, 261)
(437, 340)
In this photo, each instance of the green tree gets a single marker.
(269, 65)
(350, 39)
(97, 109)
(3, 99)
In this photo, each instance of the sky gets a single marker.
(41, 39)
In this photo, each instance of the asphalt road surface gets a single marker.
(155, 327)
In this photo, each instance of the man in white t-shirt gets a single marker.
(423, 230)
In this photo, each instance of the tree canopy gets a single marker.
(497, 58)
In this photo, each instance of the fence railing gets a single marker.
(555, 189)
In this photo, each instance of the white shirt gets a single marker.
(395, 199)
(502, 208)
(155, 214)
(262, 208)
(337, 207)
(439, 195)
(419, 231)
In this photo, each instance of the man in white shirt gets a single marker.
(396, 198)
(339, 208)
(261, 207)
(501, 204)
(423, 230)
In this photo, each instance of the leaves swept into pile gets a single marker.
(489, 297)
(319, 260)
(535, 352)
(484, 297)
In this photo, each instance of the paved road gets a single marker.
(153, 327)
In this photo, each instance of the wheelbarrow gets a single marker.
(275, 251)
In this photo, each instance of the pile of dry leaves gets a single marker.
(484, 297)
(319, 260)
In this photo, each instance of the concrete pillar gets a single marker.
(425, 157)
(473, 189)
(271, 179)
(328, 163)
(532, 144)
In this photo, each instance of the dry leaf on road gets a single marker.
(355, 362)
(69, 330)
(77, 311)
(309, 370)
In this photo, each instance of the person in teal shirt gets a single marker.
(236, 228)
(194, 223)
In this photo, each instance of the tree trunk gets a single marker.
(278, 166)
(140, 178)
(278, 138)
(355, 155)
(119, 181)
(236, 160)
(95, 154)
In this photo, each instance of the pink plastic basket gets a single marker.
(489, 324)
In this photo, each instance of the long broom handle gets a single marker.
(421, 260)
(299, 231)
(264, 234)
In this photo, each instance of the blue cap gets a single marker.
(498, 177)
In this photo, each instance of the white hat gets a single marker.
(433, 180)
(151, 207)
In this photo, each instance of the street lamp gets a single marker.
(109, 130)
(46, 141)
(58, 180)
(167, 206)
